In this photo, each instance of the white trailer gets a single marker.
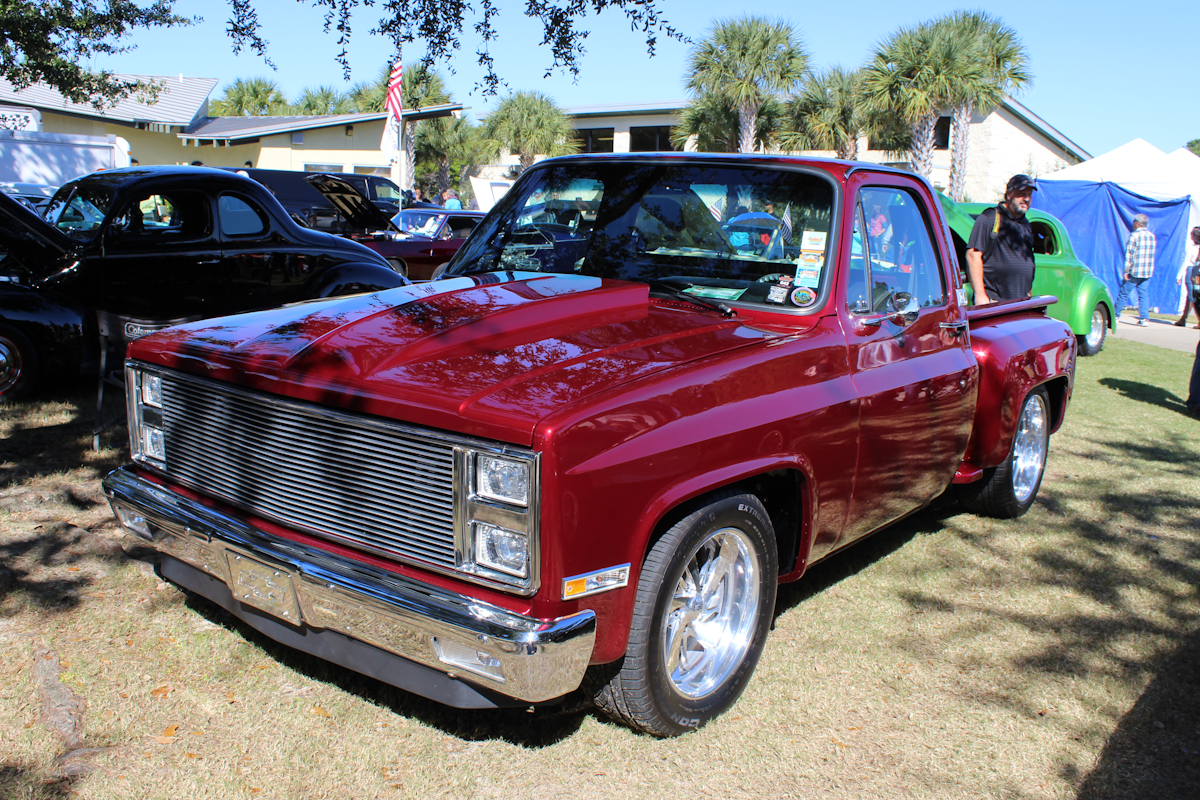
(55, 158)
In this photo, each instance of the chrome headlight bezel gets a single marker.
(143, 399)
(488, 514)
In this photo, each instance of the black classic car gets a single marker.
(124, 252)
(416, 241)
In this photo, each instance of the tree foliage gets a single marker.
(829, 114)
(746, 62)
(1194, 146)
(714, 122)
(438, 26)
(998, 49)
(917, 72)
(250, 97)
(530, 124)
(48, 42)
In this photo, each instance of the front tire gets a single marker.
(1008, 491)
(1093, 342)
(18, 365)
(705, 600)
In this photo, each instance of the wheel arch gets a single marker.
(355, 276)
(784, 492)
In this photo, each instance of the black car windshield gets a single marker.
(732, 233)
(78, 210)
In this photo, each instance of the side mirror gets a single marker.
(905, 309)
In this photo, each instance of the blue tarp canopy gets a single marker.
(1099, 217)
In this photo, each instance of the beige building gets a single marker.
(176, 129)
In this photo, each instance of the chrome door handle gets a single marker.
(955, 328)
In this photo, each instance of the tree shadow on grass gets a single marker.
(1155, 750)
(1146, 393)
(24, 782)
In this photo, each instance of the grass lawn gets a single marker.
(951, 656)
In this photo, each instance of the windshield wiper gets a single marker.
(677, 291)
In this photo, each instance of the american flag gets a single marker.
(395, 90)
(787, 223)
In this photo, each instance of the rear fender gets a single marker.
(1016, 354)
(1092, 292)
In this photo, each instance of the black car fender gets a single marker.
(57, 327)
(354, 277)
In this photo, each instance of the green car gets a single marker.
(1083, 300)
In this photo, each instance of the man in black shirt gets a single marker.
(1000, 250)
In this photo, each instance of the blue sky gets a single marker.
(1104, 73)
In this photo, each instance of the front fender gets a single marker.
(57, 326)
(353, 278)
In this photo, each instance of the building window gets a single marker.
(941, 134)
(650, 139)
(594, 140)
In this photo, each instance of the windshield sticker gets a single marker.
(808, 277)
(777, 294)
(813, 240)
(803, 296)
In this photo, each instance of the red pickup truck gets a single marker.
(648, 390)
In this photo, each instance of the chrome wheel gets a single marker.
(1030, 446)
(1099, 324)
(12, 364)
(711, 618)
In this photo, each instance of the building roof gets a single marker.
(180, 100)
(628, 109)
(233, 129)
(1046, 129)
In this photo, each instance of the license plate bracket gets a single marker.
(265, 587)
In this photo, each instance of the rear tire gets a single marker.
(18, 365)
(1008, 491)
(705, 600)
(1093, 342)
(400, 267)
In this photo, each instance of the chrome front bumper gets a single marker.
(524, 658)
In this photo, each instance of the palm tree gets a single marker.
(250, 97)
(748, 61)
(916, 73)
(531, 124)
(422, 87)
(369, 96)
(1005, 64)
(444, 142)
(714, 122)
(322, 101)
(829, 114)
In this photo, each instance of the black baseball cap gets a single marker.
(1019, 183)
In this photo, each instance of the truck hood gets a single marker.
(488, 355)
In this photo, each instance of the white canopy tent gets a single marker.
(1142, 168)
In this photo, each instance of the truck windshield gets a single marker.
(79, 210)
(725, 232)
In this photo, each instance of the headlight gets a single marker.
(502, 480)
(143, 392)
(503, 550)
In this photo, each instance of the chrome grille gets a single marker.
(369, 483)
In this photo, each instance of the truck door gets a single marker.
(909, 355)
